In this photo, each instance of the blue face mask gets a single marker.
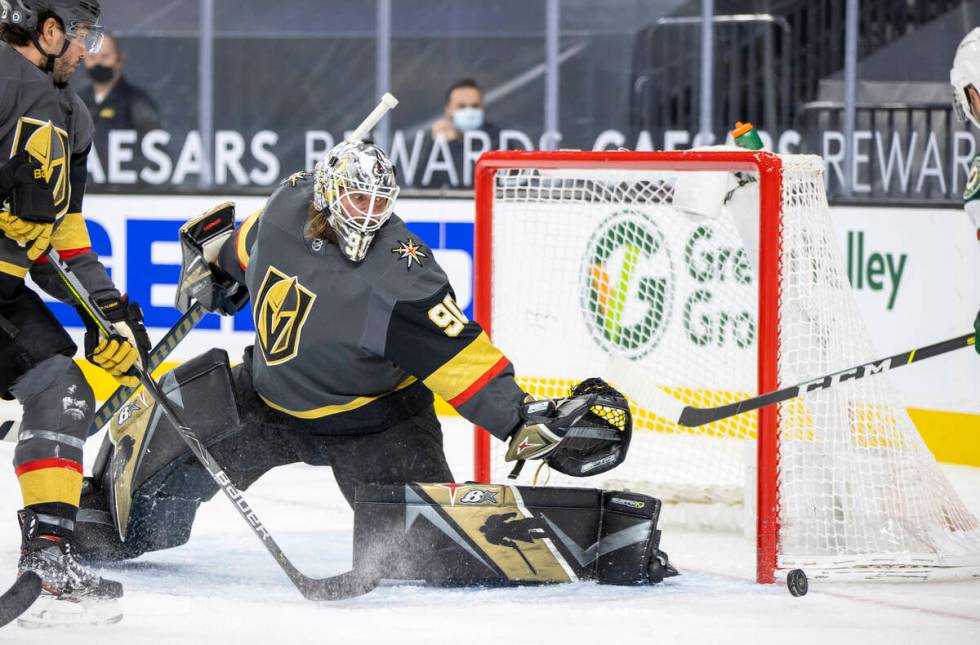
(466, 119)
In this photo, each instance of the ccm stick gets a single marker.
(669, 408)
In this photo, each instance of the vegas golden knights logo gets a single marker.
(48, 145)
(281, 308)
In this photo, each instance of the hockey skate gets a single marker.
(71, 593)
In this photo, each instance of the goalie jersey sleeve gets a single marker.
(430, 338)
(235, 252)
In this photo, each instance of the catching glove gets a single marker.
(118, 355)
(31, 215)
(586, 434)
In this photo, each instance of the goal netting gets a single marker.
(588, 264)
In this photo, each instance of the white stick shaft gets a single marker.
(387, 102)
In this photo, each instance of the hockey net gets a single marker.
(588, 265)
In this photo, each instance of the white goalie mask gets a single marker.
(966, 72)
(354, 184)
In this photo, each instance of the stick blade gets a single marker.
(19, 597)
(339, 587)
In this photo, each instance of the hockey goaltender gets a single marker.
(356, 327)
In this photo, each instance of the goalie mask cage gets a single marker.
(584, 262)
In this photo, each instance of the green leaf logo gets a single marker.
(627, 284)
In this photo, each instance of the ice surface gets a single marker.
(222, 587)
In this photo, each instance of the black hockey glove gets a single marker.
(118, 355)
(583, 435)
(29, 214)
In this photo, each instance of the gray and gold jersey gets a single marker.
(333, 337)
(53, 125)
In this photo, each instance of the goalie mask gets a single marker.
(964, 73)
(354, 186)
(596, 427)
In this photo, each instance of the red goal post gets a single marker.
(768, 168)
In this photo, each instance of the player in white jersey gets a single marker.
(965, 78)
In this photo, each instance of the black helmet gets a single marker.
(79, 17)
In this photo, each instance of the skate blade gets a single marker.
(51, 611)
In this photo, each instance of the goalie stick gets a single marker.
(345, 585)
(667, 407)
(159, 353)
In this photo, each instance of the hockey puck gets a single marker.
(797, 583)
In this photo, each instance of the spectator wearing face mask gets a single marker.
(463, 112)
(115, 103)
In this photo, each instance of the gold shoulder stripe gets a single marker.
(466, 368)
(327, 410)
(241, 242)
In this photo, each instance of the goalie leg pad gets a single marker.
(629, 541)
(147, 484)
(471, 534)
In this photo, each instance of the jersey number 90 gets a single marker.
(448, 317)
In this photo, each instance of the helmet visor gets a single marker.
(88, 36)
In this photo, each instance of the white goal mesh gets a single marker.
(597, 272)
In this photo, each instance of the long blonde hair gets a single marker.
(317, 225)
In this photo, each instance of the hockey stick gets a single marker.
(669, 408)
(19, 597)
(388, 102)
(159, 353)
(346, 585)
